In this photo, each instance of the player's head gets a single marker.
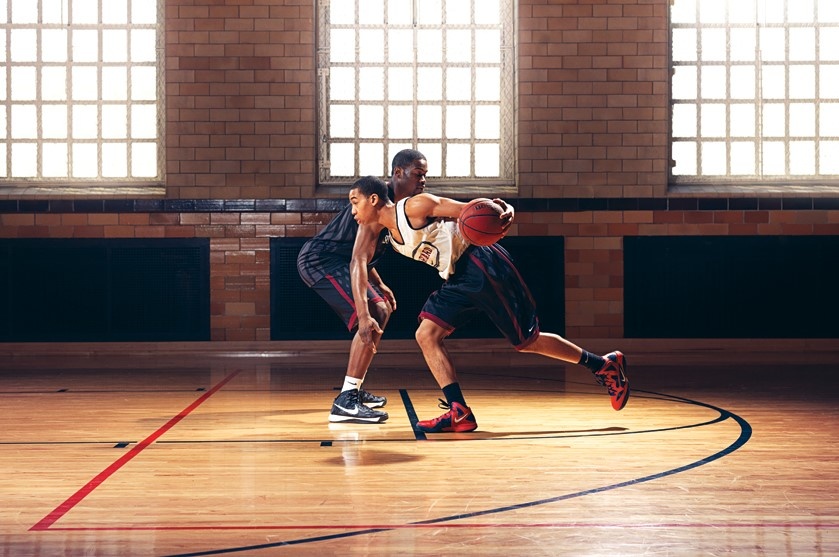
(366, 195)
(408, 171)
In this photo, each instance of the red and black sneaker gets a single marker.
(613, 376)
(459, 418)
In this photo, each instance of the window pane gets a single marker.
(802, 120)
(684, 82)
(458, 84)
(55, 160)
(143, 45)
(342, 159)
(458, 122)
(684, 120)
(712, 122)
(458, 160)
(802, 82)
(143, 84)
(714, 158)
(23, 83)
(115, 160)
(400, 122)
(114, 83)
(743, 158)
(22, 45)
(371, 122)
(829, 157)
(114, 11)
(371, 159)
(713, 82)
(370, 43)
(85, 46)
(400, 45)
(684, 156)
(743, 120)
(684, 45)
(487, 160)
(742, 47)
(117, 45)
(24, 122)
(487, 84)
(24, 160)
(372, 14)
(488, 46)
(458, 46)
(54, 45)
(341, 121)
(341, 45)
(84, 86)
(371, 84)
(430, 46)
(85, 160)
(85, 118)
(774, 120)
(713, 45)
(400, 84)
(802, 44)
(743, 84)
(54, 118)
(143, 160)
(342, 84)
(53, 83)
(144, 121)
(429, 121)
(774, 158)
(829, 119)
(429, 84)
(487, 122)
(802, 158)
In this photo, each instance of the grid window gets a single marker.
(754, 90)
(81, 91)
(434, 75)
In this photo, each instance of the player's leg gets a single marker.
(430, 336)
(349, 405)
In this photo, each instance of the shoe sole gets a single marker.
(374, 404)
(354, 420)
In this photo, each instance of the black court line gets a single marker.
(742, 439)
(412, 415)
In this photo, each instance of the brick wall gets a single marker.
(593, 155)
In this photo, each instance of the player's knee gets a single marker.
(380, 312)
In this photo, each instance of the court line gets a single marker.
(742, 439)
(65, 507)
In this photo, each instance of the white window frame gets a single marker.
(437, 149)
(131, 143)
(707, 143)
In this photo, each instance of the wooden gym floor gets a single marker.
(232, 455)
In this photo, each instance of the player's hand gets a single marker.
(390, 297)
(366, 327)
(508, 214)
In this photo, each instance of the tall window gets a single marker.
(435, 75)
(81, 91)
(755, 90)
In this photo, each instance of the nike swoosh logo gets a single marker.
(352, 412)
(457, 420)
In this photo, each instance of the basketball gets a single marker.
(479, 222)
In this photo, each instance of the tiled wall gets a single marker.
(240, 148)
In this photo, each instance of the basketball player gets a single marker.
(424, 227)
(324, 265)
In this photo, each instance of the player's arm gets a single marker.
(363, 251)
(376, 279)
(426, 205)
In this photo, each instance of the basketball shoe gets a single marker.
(371, 400)
(459, 418)
(347, 408)
(613, 376)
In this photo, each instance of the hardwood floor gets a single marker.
(208, 455)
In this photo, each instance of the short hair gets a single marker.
(404, 158)
(369, 185)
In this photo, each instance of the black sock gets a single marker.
(453, 394)
(592, 361)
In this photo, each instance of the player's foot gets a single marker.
(371, 400)
(347, 408)
(459, 418)
(613, 376)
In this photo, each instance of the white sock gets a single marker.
(351, 383)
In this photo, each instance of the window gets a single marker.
(80, 91)
(755, 90)
(434, 75)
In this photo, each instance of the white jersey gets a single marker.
(438, 243)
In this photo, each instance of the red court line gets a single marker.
(556, 525)
(65, 507)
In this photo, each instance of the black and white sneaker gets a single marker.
(347, 408)
(371, 400)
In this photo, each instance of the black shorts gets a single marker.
(336, 289)
(485, 280)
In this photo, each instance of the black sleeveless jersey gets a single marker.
(332, 248)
